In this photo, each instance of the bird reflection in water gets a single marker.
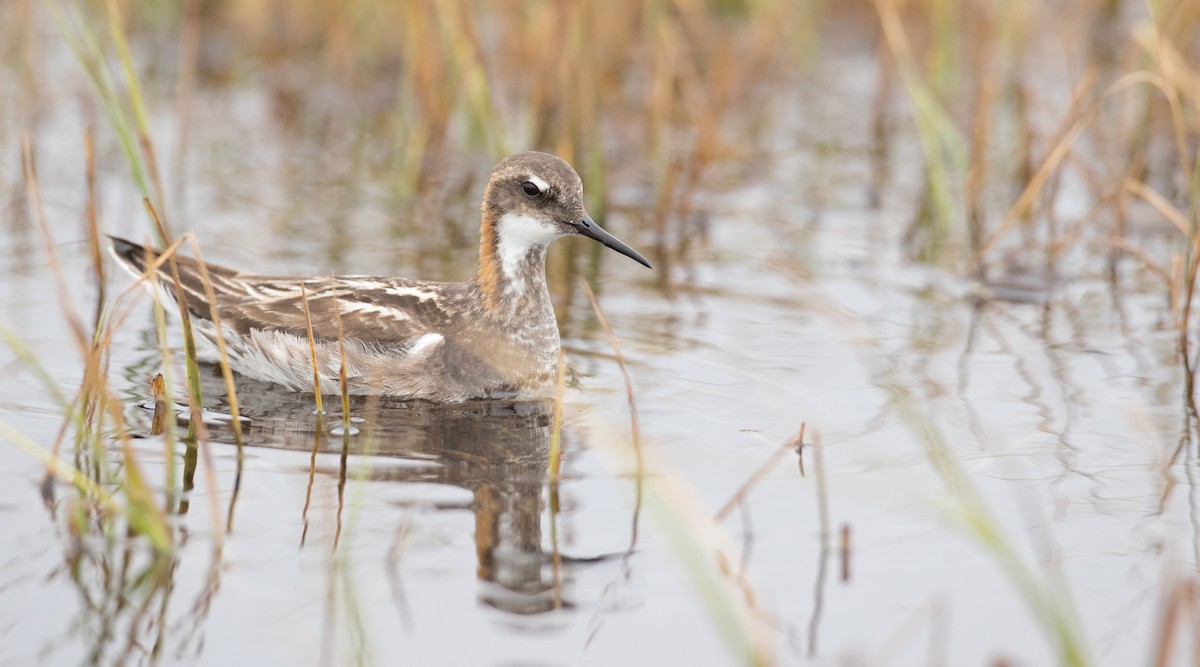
(498, 450)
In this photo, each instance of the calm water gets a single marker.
(1050, 410)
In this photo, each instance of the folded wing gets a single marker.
(379, 311)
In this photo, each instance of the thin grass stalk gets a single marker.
(635, 431)
(1167, 60)
(115, 317)
(117, 34)
(978, 151)
(344, 390)
(92, 228)
(91, 57)
(61, 469)
(554, 460)
(822, 489)
(139, 510)
(320, 412)
(144, 515)
(1178, 612)
(555, 508)
(1056, 614)
(222, 350)
(940, 139)
(171, 432)
(844, 550)
(342, 561)
(1160, 49)
(343, 380)
(1182, 289)
(454, 19)
(28, 359)
(761, 472)
(82, 412)
(312, 477)
(197, 433)
(823, 542)
(701, 548)
(138, 107)
(226, 373)
(1160, 203)
(34, 192)
(312, 349)
(191, 363)
(553, 475)
(1047, 600)
(1082, 117)
(343, 463)
(70, 406)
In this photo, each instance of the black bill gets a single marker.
(588, 227)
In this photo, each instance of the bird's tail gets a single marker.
(132, 256)
(135, 257)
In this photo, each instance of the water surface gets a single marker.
(996, 455)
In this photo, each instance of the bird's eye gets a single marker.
(531, 189)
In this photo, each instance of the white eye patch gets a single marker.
(542, 185)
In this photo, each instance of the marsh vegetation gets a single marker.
(913, 381)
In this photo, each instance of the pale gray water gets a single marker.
(1063, 408)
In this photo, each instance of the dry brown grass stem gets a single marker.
(1160, 203)
(761, 472)
(822, 490)
(1181, 611)
(634, 425)
(312, 350)
(1079, 115)
(344, 390)
(195, 400)
(554, 464)
(844, 550)
(33, 191)
(93, 228)
(226, 374)
(94, 402)
(185, 317)
(312, 476)
(635, 431)
(88, 403)
(343, 380)
(1166, 58)
(977, 174)
(162, 410)
(222, 350)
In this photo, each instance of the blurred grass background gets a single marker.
(1053, 136)
(1023, 109)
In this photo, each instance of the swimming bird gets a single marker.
(494, 336)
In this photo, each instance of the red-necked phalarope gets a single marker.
(490, 337)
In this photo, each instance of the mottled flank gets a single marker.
(494, 336)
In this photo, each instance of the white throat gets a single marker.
(518, 236)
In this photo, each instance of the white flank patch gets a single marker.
(520, 234)
(425, 344)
